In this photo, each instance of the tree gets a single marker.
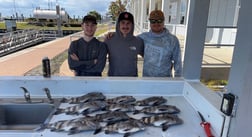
(96, 14)
(116, 8)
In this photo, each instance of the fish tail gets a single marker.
(58, 111)
(126, 135)
(63, 100)
(73, 130)
(97, 131)
(180, 121)
(41, 127)
(165, 126)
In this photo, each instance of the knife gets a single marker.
(205, 125)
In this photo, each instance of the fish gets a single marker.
(82, 108)
(74, 126)
(121, 100)
(111, 117)
(151, 101)
(121, 107)
(162, 120)
(91, 96)
(127, 127)
(158, 109)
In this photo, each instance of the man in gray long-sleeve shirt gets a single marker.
(124, 47)
(87, 55)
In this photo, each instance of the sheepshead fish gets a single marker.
(158, 109)
(91, 96)
(121, 107)
(112, 117)
(83, 108)
(121, 100)
(74, 126)
(165, 120)
(125, 127)
(151, 101)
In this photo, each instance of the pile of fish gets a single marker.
(114, 115)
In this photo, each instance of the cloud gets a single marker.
(72, 7)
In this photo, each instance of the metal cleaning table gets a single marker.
(188, 96)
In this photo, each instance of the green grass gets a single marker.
(25, 25)
(2, 25)
(215, 85)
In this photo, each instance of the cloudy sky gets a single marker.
(73, 7)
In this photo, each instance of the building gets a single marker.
(222, 18)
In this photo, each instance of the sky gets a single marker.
(72, 7)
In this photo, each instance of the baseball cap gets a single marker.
(126, 16)
(156, 15)
(89, 18)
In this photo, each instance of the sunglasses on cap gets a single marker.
(156, 21)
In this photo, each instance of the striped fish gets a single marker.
(121, 107)
(91, 96)
(162, 120)
(112, 117)
(82, 108)
(158, 109)
(124, 127)
(121, 100)
(74, 126)
(151, 101)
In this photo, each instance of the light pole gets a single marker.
(58, 20)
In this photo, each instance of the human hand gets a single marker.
(74, 57)
(109, 35)
(74, 72)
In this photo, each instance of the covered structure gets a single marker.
(221, 23)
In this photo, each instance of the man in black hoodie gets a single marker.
(87, 55)
(124, 47)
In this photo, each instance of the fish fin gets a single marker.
(97, 131)
(156, 104)
(73, 130)
(165, 126)
(104, 109)
(71, 113)
(53, 129)
(110, 123)
(85, 112)
(56, 130)
(107, 132)
(126, 135)
(136, 112)
(58, 111)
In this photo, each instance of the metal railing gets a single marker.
(16, 40)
